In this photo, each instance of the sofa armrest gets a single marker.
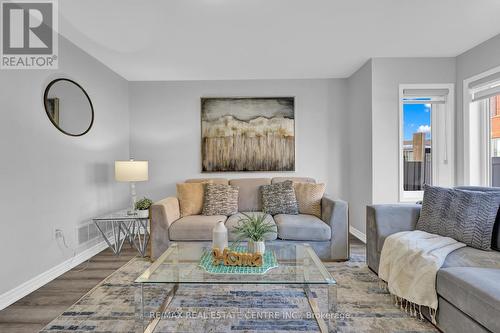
(163, 214)
(385, 220)
(335, 214)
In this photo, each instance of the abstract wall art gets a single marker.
(248, 134)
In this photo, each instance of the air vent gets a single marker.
(89, 232)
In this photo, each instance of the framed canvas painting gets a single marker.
(248, 134)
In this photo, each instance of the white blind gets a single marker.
(485, 87)
(425, 96)
(485, 81)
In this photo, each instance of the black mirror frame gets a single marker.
(45, 95)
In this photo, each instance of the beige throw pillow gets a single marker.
(309, 198)
(190, 197)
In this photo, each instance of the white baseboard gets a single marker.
(358, 234)
(29, 286)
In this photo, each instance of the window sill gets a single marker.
(411, 197)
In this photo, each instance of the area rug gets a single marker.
(363, 306)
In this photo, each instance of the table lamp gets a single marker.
(131, 171)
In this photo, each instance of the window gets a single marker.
(426, 138)
(417, 145)
(494, 144)
(482, 129)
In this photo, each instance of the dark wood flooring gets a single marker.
(33, 312)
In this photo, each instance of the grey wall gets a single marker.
(388, 74)
(165, 129)
(50, 180)
(359, 142)
(374, 126)
(475, 61)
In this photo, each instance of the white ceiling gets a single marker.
(261, 39)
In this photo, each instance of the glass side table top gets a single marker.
(118, 226)
(298, 264)
(118, 215)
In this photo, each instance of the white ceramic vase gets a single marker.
(219, 236)
(143, 213)
(256, 247)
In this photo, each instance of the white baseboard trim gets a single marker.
(30, 286)
(358, 234)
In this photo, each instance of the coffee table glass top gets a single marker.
(298, 264)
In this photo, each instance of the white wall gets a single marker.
(51, 180)
(359, 141)
(475, 61)
(165, 129)
(388, 73)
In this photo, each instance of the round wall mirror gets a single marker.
(68, 107)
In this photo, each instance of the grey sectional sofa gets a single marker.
(468, 284)
(328, 235)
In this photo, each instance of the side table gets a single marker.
(123, 227)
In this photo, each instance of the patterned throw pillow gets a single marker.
(279, 198)
(309, 197)
(220, 200)
(466, 216)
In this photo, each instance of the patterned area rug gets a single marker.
(363, 306)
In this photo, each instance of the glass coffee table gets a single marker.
(298, 266)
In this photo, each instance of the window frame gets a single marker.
(413, 196)
(482, 171)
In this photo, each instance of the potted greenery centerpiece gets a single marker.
(253, 228)
(142, 207)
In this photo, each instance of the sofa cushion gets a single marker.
(450, 319)
(302, 227)
(249, 198)
(190, 197)
(222, 181)
(467, 216)
(279, 198)
(276, 180)
(220, 200)
(475, 291)
(233, 221)
(471, 257)
(194, 227)
(309, 197)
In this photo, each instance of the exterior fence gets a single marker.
(495, 171)
(417, 173)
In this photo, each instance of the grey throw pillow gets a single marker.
(466, 216)
(220, 199)
(279, 198)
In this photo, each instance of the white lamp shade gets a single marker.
(131, 171)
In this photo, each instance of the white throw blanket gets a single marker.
(409, 264)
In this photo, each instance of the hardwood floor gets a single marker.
(33, 312)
